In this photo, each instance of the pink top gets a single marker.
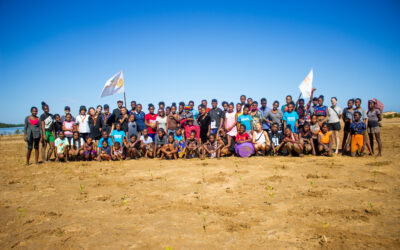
(68, 125)
(230, 119)
(33, 122)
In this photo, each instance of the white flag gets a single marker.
(114, 85)
(306, 86)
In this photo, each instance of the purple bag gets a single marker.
(245, 149)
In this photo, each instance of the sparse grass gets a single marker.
(204, 222)
(124, 200)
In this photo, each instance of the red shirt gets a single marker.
(152, 120)
(243, 137)
(189, 129)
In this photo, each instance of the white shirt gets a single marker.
(162, 122)
(333, 117)
(83, 122)
(148, 141)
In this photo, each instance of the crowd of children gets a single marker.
(183, 131)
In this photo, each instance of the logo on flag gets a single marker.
(114, 85)
(306, 85)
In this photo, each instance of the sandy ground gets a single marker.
(232, 203)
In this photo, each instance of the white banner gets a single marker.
(114, 85)
(306, 86)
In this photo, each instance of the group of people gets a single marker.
(185, 131)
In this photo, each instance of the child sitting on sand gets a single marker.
(117, 152)
(146, 144)
(212, 148)
(292, 143)
(306, 140)
(276, 137)
(170, 150)
(104, 152)
(89, 152)
(180, 139)
(133, 147)
(61, 144)
(325, 141)
(192, 146)
(76, 147)
(160, 141)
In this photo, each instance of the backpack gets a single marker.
(378, 104)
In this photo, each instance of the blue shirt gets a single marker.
(118, 135)
(139, 118)
(265, 125)
(357, 128)
(291, 119)
(100, 145)
(178, 137)
(195, 114)
(245, 120)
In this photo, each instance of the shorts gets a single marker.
(50, 136)
(153, 136)
(214, 130)
(33, 143)
(372, 130)
(84, 135)
(334, 126)
(357, 141)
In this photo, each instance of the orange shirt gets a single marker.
(325, 138)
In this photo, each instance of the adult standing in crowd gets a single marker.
(139, 117)
(161, 120)
(204, 121)
(321, 111)
(173, 120)
(256, 115)
(217, 117)
(274, 115)
(133, 107)
(94, 124)
(82, 123)
(117, 112)
(105, 123)
(150, 121)
(32, 134)
(347, 117)
(373, 129)
(334, 114)
(194, 111)
(263, 111)
(47, 125)
(123, 119)
(284, 107)
(231, 121)
(242, 102)
(67, 110)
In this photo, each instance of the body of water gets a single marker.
(11, 131)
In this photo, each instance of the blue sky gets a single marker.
(62, 52)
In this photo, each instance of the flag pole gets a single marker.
(126, 105)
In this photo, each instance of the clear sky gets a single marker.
(63, 52)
